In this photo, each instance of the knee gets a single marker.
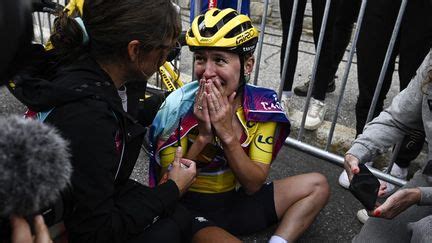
(320, 186)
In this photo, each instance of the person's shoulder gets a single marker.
(83, 112)
(260, 88)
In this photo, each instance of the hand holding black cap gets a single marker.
(364, 186)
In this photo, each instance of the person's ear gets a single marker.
(133, 50)
(249, 64)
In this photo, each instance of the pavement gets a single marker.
(337, 222)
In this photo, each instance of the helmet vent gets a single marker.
(190, 33)
(208, 32)
(237, 30)
(200, 19)
(228, 17)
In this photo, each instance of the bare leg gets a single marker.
(298, 200)
(214, 234)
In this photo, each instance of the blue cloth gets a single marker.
(175, 106)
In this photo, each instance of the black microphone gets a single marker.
(34, 166)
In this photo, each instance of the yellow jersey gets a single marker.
(214, 174)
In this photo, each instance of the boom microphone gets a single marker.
(34, 166)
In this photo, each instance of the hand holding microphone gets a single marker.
(21, 232)
(34, 167)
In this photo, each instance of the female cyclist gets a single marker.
(233, 131)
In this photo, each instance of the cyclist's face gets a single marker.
(213, 64)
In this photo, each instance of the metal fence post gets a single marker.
(261, 41)
(314, 69)
(239, 5)
(288, 47)
(386, 60)
(338, 160)
(346, 72)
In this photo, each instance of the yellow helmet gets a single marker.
(222, 29)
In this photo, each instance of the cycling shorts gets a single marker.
(235, 211)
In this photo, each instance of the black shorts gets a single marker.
(234, 211)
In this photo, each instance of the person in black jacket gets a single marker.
(16, 21)
(115, 45)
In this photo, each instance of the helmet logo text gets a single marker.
(244, 37)
(205, 40)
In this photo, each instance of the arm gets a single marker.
(250, 174)
(393, 123)
(397, 203)
(425, 196)
(196, 148)
(201, 113)
(252, 170)
(104, 212)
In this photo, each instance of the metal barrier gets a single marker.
(324, 154)
(43, 23)
(346, 72)
(297, 143)
(338, 160)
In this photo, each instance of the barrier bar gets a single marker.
(260, 41)
(386, 60)
(314, 69)
(338, 160)
(288, 47)
(197, 11)
(346, 72)
(40, 27)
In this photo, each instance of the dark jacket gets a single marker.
(106, 205)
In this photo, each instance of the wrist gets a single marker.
(415, 194)
(229, 142)
(351, 157)
(204, 139)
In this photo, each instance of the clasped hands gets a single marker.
(394, 204)
(213, 109)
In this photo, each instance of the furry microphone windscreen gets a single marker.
(34, 165)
